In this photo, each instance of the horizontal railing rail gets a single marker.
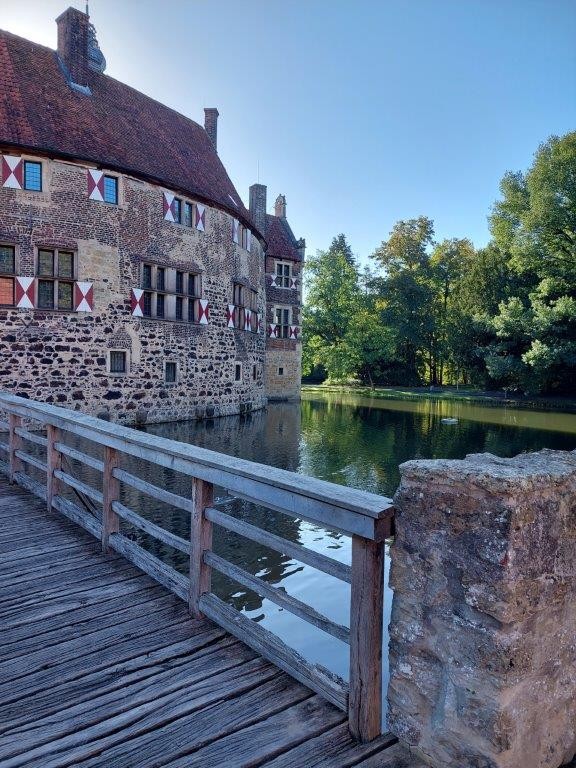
(366, 517)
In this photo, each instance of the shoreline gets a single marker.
(489, 399)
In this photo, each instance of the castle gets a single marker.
(134, 283)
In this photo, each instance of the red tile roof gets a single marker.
(280, 239)
(116, 127)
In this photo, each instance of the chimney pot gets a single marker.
(211, 125)
(73, 44)
(280, 207)
(257, 206)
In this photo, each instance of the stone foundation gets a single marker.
(483, 630)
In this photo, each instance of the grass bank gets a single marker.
(465, 394)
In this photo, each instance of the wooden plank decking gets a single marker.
(101, 666)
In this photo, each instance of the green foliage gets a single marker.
(502, 316)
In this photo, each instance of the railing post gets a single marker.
(53, 462)
(366, 615)
(111, 492)
(15, 444)
(200, 542)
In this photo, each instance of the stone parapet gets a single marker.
(483, 629)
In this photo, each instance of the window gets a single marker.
(147, 276)
(171, 294)
(280, 371)
(170, 373)
(254, 371)
(283, 274)
(282, 320)
(177, 210)
(55, 270)
(32, 176)
(243, 298)
(111, 190)
(118, 362)
(238, 372)
(189, 214)
(7, 268)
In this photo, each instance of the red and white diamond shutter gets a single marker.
(137, 302)
(83, 297)
(203, 312)
(230, 315)
(168, 199)
(273, 283)
(248, 320)
(258, 322)
(293, 283)
(235, 230)
(273, 331)
(200, 217)
(294, 331)
(25, 292)
(95, 185)
(12, 172)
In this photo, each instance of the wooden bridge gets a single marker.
(101, 661)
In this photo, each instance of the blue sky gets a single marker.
(360, 112)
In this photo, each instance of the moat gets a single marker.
(345, 439)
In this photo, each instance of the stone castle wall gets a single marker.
(483, 629)
(62, 357)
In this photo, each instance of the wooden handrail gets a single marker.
(365, 516)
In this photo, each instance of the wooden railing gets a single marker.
(367, 518)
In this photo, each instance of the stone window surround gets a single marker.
(33, 161)
(240, 293)
(238, 372)
(182, 223)
(176, 372)
(126, 372)
(118, 187)
(55, 278)
(283, 263)
(283, 334)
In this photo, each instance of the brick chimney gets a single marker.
(73, 44)
(211, 125)
(257, 206)
(280, 207)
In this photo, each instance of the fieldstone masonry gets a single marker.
(483, 630)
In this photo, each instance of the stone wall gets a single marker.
(483, 630)
(283, 364)
(62, 357)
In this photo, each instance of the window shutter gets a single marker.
(273, 331)
(204, 312)
(25, 292)
(294, 331)
(235, 230)
(230, 315)
(12, 172)
(258, 322)
(83, 297)
(293, 283)
(95, 185)
(200, 217)
(137, 302)
(168, 199)
(273, 283)
(248, 240)
(248, 320)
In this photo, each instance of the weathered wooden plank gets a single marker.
(54, 464)
(151, 565)
(239, 700)
(263, 740)
(104, 713)
(278, 544)
(332, 748)
(14, 444)
(34, 570)
(29, 484)
(110, 520)
(78, 485)
(277, 595)
(31, 437)
(151, 528)
(319, 679)
(36, 549)
(153, 490)
(396, 756)
(366, 615)
(83, 458)
(33, 461)
(78, 515)
(4, 447)
(200, 542)
(36, 557)
(114, 676)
